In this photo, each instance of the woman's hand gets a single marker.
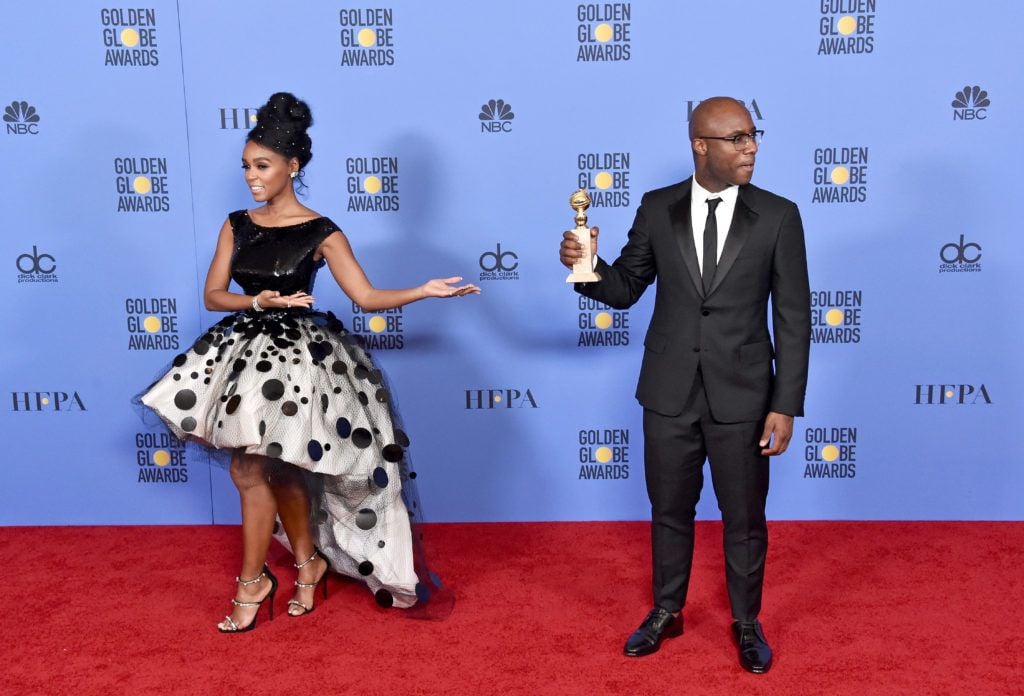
(445, 287)
(272, 299)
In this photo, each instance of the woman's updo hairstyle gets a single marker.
(281, 125)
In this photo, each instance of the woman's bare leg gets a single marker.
(292, 499)
(249, 474)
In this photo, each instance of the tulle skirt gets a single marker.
(295, 386)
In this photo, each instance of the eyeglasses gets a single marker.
(739, 141)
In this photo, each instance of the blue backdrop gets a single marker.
(447, 141)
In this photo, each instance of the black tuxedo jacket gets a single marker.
(725, 333)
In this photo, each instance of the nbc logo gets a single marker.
(496, 117)
(21, 118)
(970, 104)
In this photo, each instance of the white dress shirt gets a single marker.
(699, 215)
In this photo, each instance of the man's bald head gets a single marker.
(709, 111)
(718, 161)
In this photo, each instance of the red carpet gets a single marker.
(850, 608)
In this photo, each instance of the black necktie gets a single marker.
(710, 245)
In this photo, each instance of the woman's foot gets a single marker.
(312, 572)
(249, 597)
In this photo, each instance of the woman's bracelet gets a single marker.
(256, 304)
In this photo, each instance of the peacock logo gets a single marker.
(971, 96)
(496, 116)
(21, 118)
(971, 104)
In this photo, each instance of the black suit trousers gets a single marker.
(675, 448)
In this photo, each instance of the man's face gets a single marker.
(719, 164)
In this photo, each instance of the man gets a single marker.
(718, 247)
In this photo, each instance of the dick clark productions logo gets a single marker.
(499, 264)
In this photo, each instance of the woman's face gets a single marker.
(267, 173)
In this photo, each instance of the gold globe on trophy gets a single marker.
(583, 269)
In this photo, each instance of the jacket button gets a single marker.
(696, 350)
(705, 312)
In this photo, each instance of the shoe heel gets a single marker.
(273, 591)
(326, 572)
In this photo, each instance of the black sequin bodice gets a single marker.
(276, 258)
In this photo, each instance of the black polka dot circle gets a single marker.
(392, 453)
(366, 519)
(185, 399)
(361, 438)
(273, 389)
(315, 450)
(343, 427)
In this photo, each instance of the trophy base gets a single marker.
(583, 277)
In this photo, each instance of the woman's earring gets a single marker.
(294, 174)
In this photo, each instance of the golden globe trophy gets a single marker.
(582, 270)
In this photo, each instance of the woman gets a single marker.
(290, 393)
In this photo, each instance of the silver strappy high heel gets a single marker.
(322, 579)
(233, 626)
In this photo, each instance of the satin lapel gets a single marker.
(743, 220)
(679, 214)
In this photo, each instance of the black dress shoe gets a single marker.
(647, 639)
(755, 654)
